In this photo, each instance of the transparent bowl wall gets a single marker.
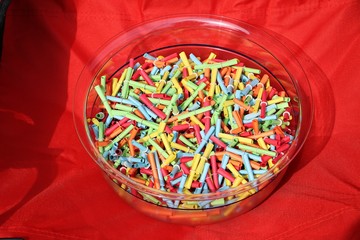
(199, 35)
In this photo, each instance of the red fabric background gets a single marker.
(50, 188)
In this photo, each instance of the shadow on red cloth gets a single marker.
(33, 97)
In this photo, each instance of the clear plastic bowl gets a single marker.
(197, 34)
